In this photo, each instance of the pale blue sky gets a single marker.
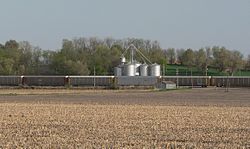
(174, 23)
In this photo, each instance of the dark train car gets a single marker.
(10, 80)
(231, 81)
(111, 81)
(88, 81)
(201, 81)
(44, 80)
(137, 81)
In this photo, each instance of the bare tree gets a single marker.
(11, 44)
(80, 44)
(248, 62)
(109, 42)
(179, 55)
(221, 57)
(235, 61)
(200, 59)
(171, 55)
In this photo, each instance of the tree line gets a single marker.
(84, 56)
(220, 58)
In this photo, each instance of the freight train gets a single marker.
(117, 81)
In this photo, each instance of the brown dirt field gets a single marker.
(191, 118)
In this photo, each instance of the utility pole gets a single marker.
(177, 78)
(94, 76)
(192, 77)
(227, 84)
(163, 71)
(206, 75)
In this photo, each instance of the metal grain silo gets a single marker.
(118, 71)
(123, 60)
(128, 70)
(155, 70)
(137, 69)
(144, 70)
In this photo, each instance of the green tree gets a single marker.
(158, 56)
(75, 68)
(189, 58)
(7, 66)
(1, 46)
(12, 54)
(102, 60)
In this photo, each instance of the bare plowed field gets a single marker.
(197, 118)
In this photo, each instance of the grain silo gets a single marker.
(137, 68)
(118, 71)
(134, 67)
(155, 70)
(144, 70)
(128, 69)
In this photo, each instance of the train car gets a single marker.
(231, 81)
(137, 81)
(10, 80)
(88, 81)
(44, 80)
(112, 81)
(199, 81)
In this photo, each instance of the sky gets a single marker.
(174, 23)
